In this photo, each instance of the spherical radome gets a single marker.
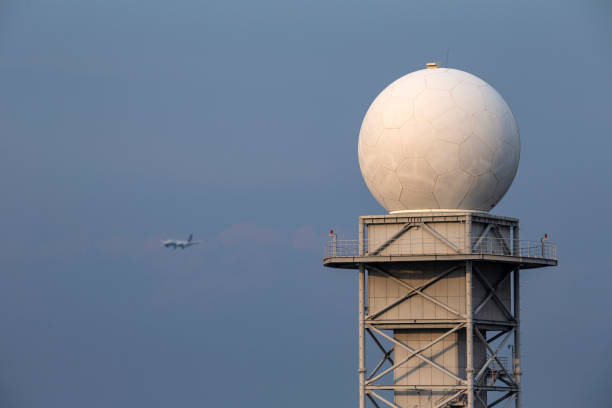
(439, 139)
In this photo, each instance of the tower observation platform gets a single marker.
(439, 276)
(438, 236)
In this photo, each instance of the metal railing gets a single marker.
(405, 247)
(495, 366)
(496, 370)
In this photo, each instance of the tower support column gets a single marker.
(362, 369)
(517, 335)
(469, 335)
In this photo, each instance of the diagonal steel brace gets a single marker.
(419, 291)
(425, 359)
(415, 353)
(414, 291)
(496, 298)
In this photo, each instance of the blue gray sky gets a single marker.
(124, 122)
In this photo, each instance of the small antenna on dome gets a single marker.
(447, 52)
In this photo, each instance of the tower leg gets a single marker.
(517, 335)
(362, 336)
(469, 335)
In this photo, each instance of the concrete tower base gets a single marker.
(442, 293)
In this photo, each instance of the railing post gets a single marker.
(361, 237)
(334, 243)
(516, 245)
(468, 233)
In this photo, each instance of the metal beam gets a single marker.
(440, 237)
(490, 294)
(486, 364)
(414, 354)
(449, 399)
(508, 383)
(469, 335)
(484, 404)
(380, 363)
(425, 359)
(500, 323)
(497, 336)
(496, 298)
(517, 335)
(494, 355)
(412, 292)
(405, 387)
(372, 400)
(380, 346)
(411, 322)
(404, 284)
(394, 238)
(503, 239)
(500, 399)
(482, 236)
(362, 369)
(384, 401)
(495, 388)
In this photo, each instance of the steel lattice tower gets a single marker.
(439, 297)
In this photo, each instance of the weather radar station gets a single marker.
(439, 276)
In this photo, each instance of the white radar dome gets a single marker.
(439, 138)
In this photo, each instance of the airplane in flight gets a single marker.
(175, 243)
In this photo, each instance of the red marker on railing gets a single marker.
(543, 242)
(333, 243)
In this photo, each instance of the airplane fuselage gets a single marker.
(176, 243)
